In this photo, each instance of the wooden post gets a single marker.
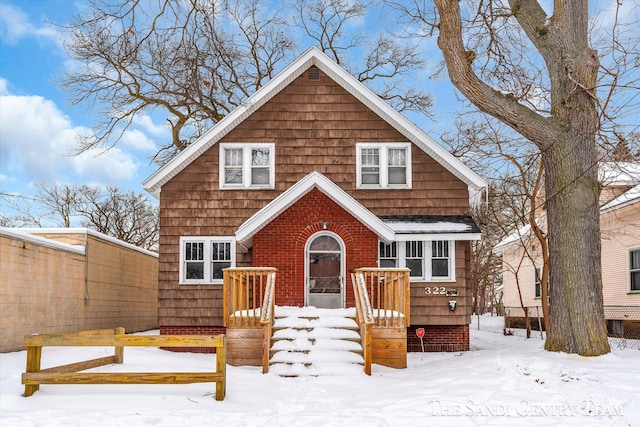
(368, 348)
(34, 356)
(119, 348)
(226, 290)
(407, 299)
(221, 368)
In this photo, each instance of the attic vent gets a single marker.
(313, 74)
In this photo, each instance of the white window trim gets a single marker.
(631, 271)
(246, 165)
(384, 167)
(207, 240)
(426, 268)
(537, 280)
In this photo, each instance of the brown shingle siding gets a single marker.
(315, 126)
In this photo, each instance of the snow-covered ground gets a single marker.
(503, 380)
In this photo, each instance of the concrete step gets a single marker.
(311, 342)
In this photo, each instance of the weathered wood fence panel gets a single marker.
(68, 374)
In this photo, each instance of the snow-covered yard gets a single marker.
(503, 380)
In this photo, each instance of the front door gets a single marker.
(324, 278)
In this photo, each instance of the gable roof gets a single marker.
(260, 219)
(313, 57)
(629, 196)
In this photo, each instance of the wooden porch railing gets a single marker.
(364, 318)
(266, 319)
(388, 292)
(249, 302)
(245, 294)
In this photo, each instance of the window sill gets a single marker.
(215, 283)
(379, 187)
(229, 188)
(633, 292)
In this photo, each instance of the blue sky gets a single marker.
(38, 128)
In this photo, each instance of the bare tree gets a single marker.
(59, 202)
(516, 189)
(196, 60)
(127, 216)
(538, 74)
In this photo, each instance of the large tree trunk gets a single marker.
(576, 314)
(567, 143)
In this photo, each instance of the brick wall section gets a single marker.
(282, 242)
(439, 338)
(192, 330)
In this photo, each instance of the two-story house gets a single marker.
(316, 176)
(620, 247)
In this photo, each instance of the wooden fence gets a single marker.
(69, 374)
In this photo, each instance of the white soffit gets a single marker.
(313, 56)
(313, 180)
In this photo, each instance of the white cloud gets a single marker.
(105, 167)
(146, 123)
(37, 140)
(15, 25)
(136, 139)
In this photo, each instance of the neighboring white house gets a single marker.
(620, 228)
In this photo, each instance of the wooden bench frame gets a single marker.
(68, 374)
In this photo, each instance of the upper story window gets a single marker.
(634, 267)
(431, 261)
(247, 165)
(203, 258)
(383, 165)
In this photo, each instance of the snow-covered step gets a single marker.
(310, 342)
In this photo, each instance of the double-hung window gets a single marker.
(634, 267)
(383, 165)
(203, 258)
(440, 260)
(388, 255)
(538, 283)
(429, 260)
(247, 165)
(414, 257)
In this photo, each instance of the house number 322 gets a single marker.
(435, 290)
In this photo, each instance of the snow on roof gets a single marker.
(626, 197)
(619, 173)
(513, 237)
(436, 227)
(81, 230)
(445, 226)
(22, 234)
